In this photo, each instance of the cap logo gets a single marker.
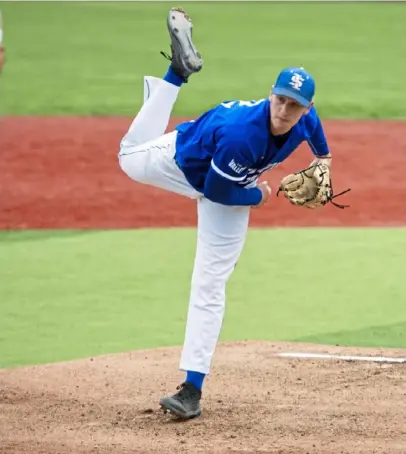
(296, 81)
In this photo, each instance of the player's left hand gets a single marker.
(310, 188)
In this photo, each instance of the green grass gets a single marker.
(86, 293)
(90, 58)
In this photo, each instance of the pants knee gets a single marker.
(131, 167)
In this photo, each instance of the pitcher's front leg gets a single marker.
(221, 237)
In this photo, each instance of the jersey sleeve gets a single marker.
(233, 157)
(229, 166)
(317, 140)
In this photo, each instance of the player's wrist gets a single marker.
(322, 160)
(259, 196)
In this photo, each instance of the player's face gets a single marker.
(285, 113)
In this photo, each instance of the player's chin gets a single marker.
(281, 126)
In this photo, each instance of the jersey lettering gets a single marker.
(238, 168)
(241, 103)
(254, 174)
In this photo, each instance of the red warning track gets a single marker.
(62, 172)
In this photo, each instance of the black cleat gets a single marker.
(185, 404)
(185, 59)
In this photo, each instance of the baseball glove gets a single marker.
(310, 188)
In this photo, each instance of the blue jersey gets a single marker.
(234, 141)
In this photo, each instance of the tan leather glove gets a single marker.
(310, 188)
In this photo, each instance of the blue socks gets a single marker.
(196, 378)
(173, 78)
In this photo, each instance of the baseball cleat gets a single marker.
(185, 59)
(185, 404)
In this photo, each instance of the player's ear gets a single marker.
(309, 107)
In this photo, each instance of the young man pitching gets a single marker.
(217, 160)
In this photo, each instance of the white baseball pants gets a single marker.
(147, 156)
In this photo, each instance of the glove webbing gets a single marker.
(330, 199)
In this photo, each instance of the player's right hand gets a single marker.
(266, 192)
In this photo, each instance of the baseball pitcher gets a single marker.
(217, 160)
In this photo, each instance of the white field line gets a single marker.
(378, 359)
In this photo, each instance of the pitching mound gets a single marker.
(254, 401)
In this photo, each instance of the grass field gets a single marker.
(68, 294)
(89, 57)
(72, 294)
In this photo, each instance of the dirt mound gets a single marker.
(253, 402)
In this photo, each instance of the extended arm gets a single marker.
(319, 146)
(312, 187)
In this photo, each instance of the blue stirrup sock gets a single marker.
(173, 78)
(196, 378)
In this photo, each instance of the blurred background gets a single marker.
(88, 264)
(90, 57)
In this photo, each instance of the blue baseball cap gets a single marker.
(295, 83)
